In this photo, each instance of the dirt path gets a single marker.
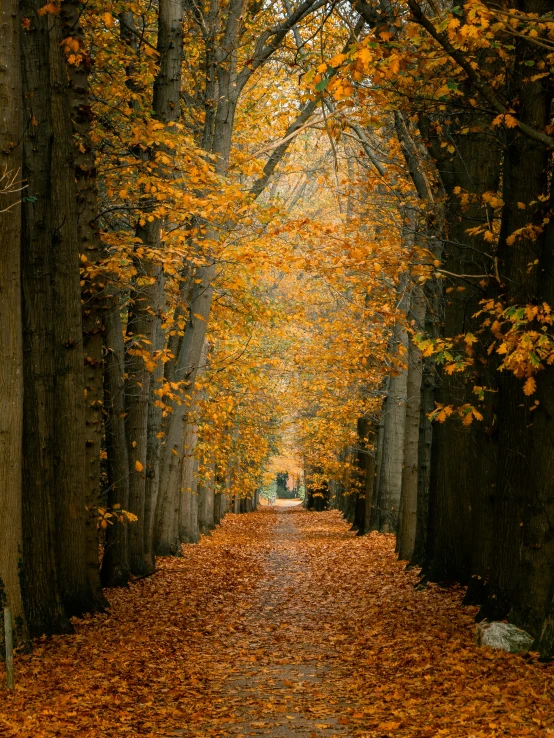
(280, 624)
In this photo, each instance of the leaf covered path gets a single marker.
(282, 623)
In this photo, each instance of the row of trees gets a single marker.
(181, 300)
(121, 230)
(458, 462)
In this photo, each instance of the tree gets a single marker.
(11, 366)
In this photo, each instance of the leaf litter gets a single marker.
(281, 623)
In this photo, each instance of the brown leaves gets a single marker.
(344, 646)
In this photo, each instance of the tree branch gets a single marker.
(480, 85)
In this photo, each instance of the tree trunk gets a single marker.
(410, 471)
(463, 466)
(379, 443)
(91, 252)
(75, 571)
(154, 433)
(144, 414)
(188, 527)
(523, 569)
(427, 405)
(141, 329)
(189, 362)
(115, 564)
(55, 565)
(390, 471)
(370, 474)
(217, 508)
(11, 361)
(206, 500)
(359, 524)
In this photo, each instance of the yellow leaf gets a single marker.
(467, 419)
(530, 386)
(138, 466)
(50, 8)
(389, 725)
(394, 63)
(337, 60)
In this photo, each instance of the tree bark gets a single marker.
(11, 347)
(115, 563)
(390, 471)
(206, 501)
(154, 432)
(410, 471)
(188, 515)
(91, 252)
(55, 562)
(189, 361)
(141, 329)
(75, 572)
(523, 569)
(463, 457)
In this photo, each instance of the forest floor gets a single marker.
(281, 623)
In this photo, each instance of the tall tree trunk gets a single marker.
(370, 473)
(363, 429)
(188, 516)
(54, 553)
(11, 361)
(206, 501)
(379, 444)
(217, 508)
(189, 361)
(75, 571)
(523, 570)
(115, 564)
(410, 475)
(145, 479)
(91, 251)
(154, 433)
(43, 606)
(141, 328)
(392, 459)
(427, 405)
(463, 466)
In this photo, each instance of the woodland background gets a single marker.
(239, 231)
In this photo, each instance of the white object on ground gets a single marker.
(504, 636)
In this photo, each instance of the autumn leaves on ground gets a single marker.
(280, 623)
